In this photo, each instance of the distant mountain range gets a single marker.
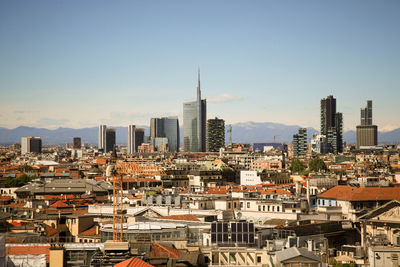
(246, 132)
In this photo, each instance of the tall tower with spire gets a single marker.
(194, 122)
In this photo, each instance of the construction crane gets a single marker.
(118, 209)
(119, 170)
(275, 136)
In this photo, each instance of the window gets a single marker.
(248, 205)
(258, 259)
(263, 208)
(229, 205)
(259, 208)
(277, 208)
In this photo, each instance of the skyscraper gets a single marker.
(367, 133)
(110, 139)
(77, 143)
(194, 123)
(167, 127)
(300, 143)
(215, 134)
(131, 139)
(332, 124)
(31, 144)
(139, 138)
(102, 137)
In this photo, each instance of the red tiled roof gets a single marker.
(162, 251)
(59, 204)
(186, 217)
(50, 230)
(92, 231)
(344, 192)
(133, 262)
(22, 249)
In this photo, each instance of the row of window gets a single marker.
(269, 208)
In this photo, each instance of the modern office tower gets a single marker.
(31, 144)
(194, 123)
(160, 143)
(332, 124)
(366, 114)
(102, 137)
(166, 127)
(139, 137)
(110, 140)
(77, 143)
(300, 143)
(367, 133)
(215, 134)
(131, 139)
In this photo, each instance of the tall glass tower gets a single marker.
(194, 123)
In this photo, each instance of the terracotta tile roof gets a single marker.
(133, 262)
(92, 231)
(344, 192)
(59, 204)
(186, 217)
(275, 191)
(162, 251)
(50, 230)
(26, 249)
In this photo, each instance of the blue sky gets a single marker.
(83, 63)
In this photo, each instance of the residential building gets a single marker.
(215, 134)
(194, 123)
(319, 144)
(300, 143)
(31, 144)
(332, 124)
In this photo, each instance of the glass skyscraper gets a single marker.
(166, 127)
(194, 123)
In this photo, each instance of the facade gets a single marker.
(102, 137)
(167, 127)
(332, 124)
(131, 139)
(367, 133)
(77, 144)
(31, 144)
(319, 144)
(300, 143)
(215, 134)
(110, 139)
(139, 137)
(194, 123)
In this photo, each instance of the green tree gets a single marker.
(18, 182)
(297, 165)
(26, 168)
(317, 165)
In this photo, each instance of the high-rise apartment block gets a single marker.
(194, 123)
(102, 137)
(332, 124)
(167, 127)
(367, 133)
(110, 139)
(77, 144)
(31, 144)
(215, 134)
(300, 143)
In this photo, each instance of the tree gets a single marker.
(317, 165)
(18, 182)
(296, 165)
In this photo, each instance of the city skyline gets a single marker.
(265, 62)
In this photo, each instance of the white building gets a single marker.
(102, 136)
(31, 144)
(249, 178)
(131, 139)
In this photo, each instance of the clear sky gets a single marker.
(82, 63)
